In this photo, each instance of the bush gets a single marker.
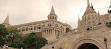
(108, 24)
(17, 44)
(34, 42)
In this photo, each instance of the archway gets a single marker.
(67, 30)
(87, 46)
(85, 41)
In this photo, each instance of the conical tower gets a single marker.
(90, 17)
(52, 15)
(52, 10)
(6, 23)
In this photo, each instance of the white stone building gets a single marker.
(91, 33)
(50, 29)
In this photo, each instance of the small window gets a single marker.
(23, 29)
(56, 25)
(92, 17)
(88, 29)
(88, 17)
(31, 28)
(26, 29)
(35, 28)
(39, 28)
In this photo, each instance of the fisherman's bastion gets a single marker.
(91, 32)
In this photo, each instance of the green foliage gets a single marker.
(17, 44)
(12, 29)
(15, 40)
(3, 31)
(13, 34)
(34, 42)
(108, 24)
(2, 41)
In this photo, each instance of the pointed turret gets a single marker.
(6, 22)
(98, 13)
(88, 4)
(89, 8)
(52, 15)
(52, 10)
(79, 19)
(92, 6)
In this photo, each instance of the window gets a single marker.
(88, 17)
(35, 28)
(39, 28)
(56, 25)
(49, 24)
(92, 17)
(31, 28)
(27, 29)
(89, 23)
(85, 18)
(93, 23)
(23, 29)
(52, 17)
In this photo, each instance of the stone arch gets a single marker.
(88, 46)
(84, 40)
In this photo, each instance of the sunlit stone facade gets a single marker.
(91, 32)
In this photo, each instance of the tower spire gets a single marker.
(92, 5)
(79, 19)
(6, 23)
(7, 20)
(52, 10)
(88, 4)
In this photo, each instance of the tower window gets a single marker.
(35, 28)
(52, 17)
(88, 29)
(92, 17)
(56, 25)
(39, 28)
(26, 29)
(23, 29)
(88, 17)
(85, 18)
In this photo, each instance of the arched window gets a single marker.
(52, 17)
(49, 24)
(27, 29)
(56, 25)
(31, 28)
(92, 17)
(23, 29)
(89, 23)
(67, 30)
(88, 17)
(93, 23)
(85, 18)
(34, 27)
(38, 27)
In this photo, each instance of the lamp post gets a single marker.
(105, 40)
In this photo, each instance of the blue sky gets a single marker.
(25, 11)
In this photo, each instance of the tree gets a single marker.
(3, 33)
(14, 35)
(2, 41)
(17, 44)
(34, 42)
(108, 24)
(12, 29)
